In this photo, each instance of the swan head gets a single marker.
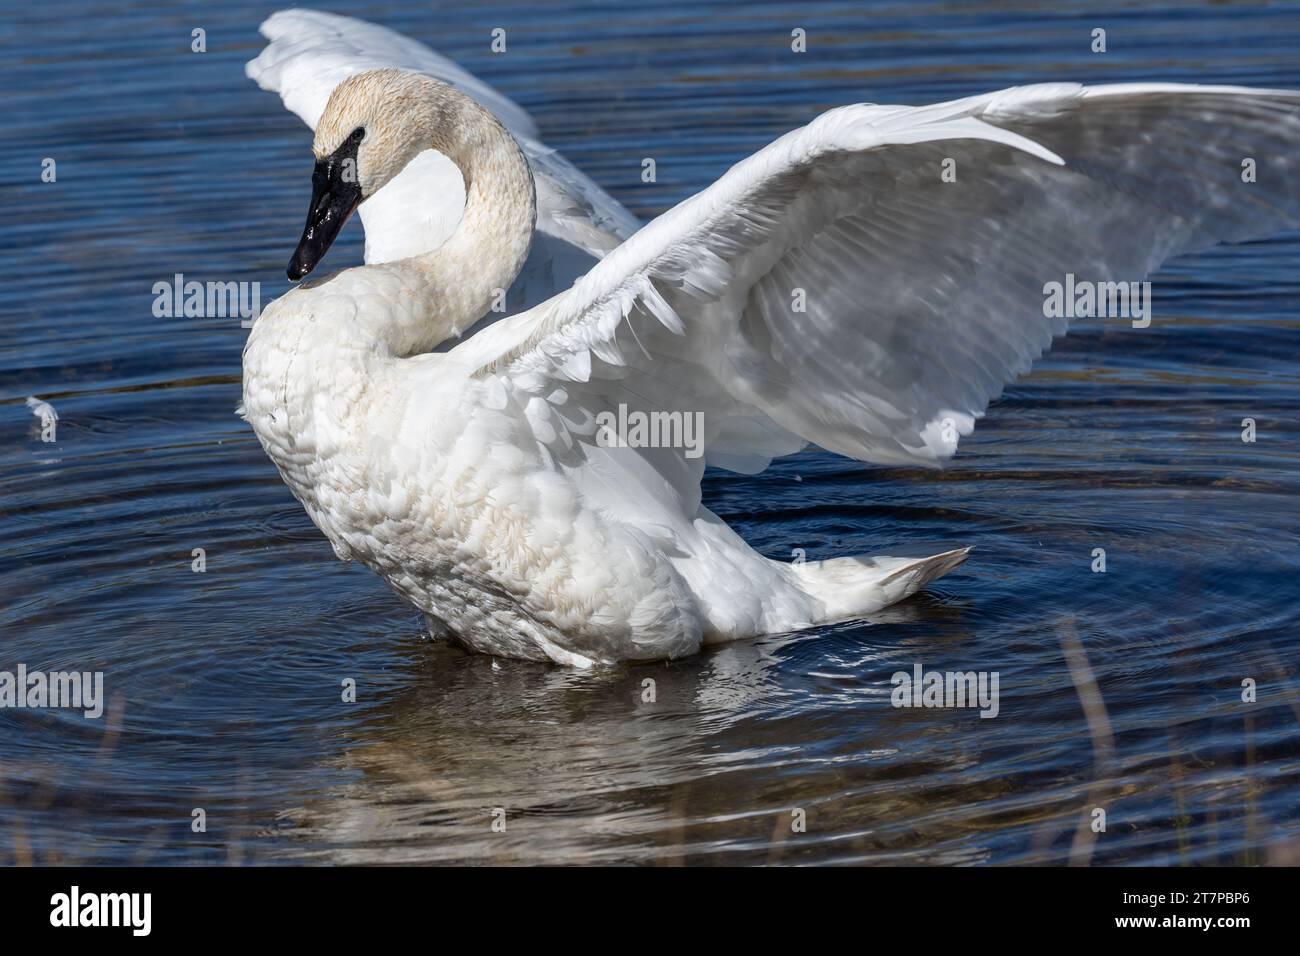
(373, 125)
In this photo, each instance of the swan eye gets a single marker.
(358, 134)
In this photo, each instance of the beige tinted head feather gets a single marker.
(376, 122)
(399, 114)
(373, 125)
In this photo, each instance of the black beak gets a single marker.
(335, 194)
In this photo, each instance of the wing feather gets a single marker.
(836, 288)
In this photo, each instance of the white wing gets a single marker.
(921, 297)
(310, 53)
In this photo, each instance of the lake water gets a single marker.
(224, 687)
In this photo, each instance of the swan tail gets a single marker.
(852, 587)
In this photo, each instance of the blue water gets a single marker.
(224, 687)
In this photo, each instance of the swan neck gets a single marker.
(468, 274)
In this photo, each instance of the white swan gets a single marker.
(478, 481)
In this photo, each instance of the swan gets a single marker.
(840, 286)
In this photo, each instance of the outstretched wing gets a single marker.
(310, 53)
(871, 281)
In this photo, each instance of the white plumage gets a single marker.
(834, 287)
